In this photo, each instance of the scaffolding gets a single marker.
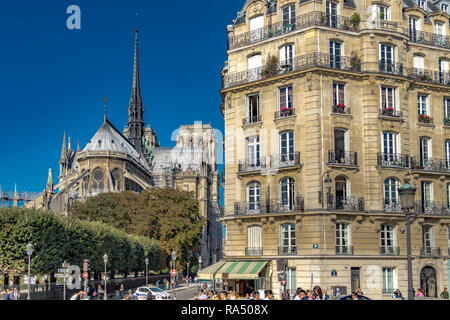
(16, 199)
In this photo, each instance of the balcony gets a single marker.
(307, 61)
(283, 161)
(269, 207)
(430, 164)
(251, 165)
(423, 118)
(395, 68)
(342, 158)
(344, 250)
(428, 38)
(429, 76)
(315, 18)
(250, 120)
(256, 251)
(345, 203)
(432, 208)
(389, 251)
(430, 252)
(390, 112)
(287, 250)
(393, 160)
(394, 206)
(288, 112)
(341, 108)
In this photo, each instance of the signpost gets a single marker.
(85, 273)
(63, 273)
(173, 273)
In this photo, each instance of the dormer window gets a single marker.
(99, 143)
(422, 4)
(288, 17)
(380, 12)
(444, 7)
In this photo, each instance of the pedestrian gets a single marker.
(256, 295)
(121, 291)
(308, 294)
(157, 283)
(397, 295)
(195, 279)
(117, 290)
(91, 292)
(354, 296)
(6, 294)
(15, 294)
(317, 294)
(223, 295)
(444, 294)
(100, 292)
(149, 295)
(247, 297)
(326, 296)
(268, 295)
(233, 295)
(419, 293)
(359, 292)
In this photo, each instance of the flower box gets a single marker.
(424, 118)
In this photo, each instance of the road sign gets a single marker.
(63, 270)
(85, 275)
(173, 272)
(283, 282)
(85, 265)
(61, 275)
(315, 246)
(333, 273)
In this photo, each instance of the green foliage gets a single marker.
(63, 238)
(355, 18)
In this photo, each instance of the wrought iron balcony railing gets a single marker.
(430, 164)
(249, 120)
(269, 206)
(393, 160)
(432, 208)
(341, 109)
(430, 251)
(428, 38)
(310, 60)
(391, 112)
(256, 251)
(287, 250)
(393, 206)
(346, 158)
(315, 18)
(389, 251)
(345, 203)
(285, 160)
(429, 76)
(344, 250)
(391, 67)
(285, 113)
(249, 165)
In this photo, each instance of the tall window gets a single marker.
(288, 13)
(422, 4)
(254, 238)
(286, 191)
(380, 12)
(335, 54)
(389, 284)
(254, 64)
(447, 154)
(387, 58)
(444, 76)
(447, 111)
(425, 150)
(427, 237)
(419, 62)
(422, 105)
(444, 7)
(448, 202)
(391, 197)
(286, 98)
(342, 238)
(388, 98)
(387, 239)
(291, 283)
(426, 196)
(287, 146)
(331, 10)
(287, 239)
(253, 155)
(439, 28)
(414, 29)
(253, 114)
(391, 142)
(256, 29)
(253, 194)
(287, 56)
(338, 94)
(98, 184)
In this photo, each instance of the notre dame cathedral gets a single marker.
(133, 160)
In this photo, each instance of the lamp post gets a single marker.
(105, 260)
(187, 275)
(174, 257)
(29, 253)
(146, 272)
(407, 194)
(199, 268)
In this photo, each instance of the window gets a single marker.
(447, 111)
(425, 150)
(391, 143)
(342, 238)
(418, 62)
(286, 146)
(448, 203)
(338, 94)
(422, 105)
(388, 99)
(426, 196)
(387, 237)
(287, 239)
(253, 155)
(287, 56)
(389, 284)
(253, 194)
(335, 54)
(288, 14)
(332, 14)
(427, 236)
(444, 7)
(422, 4)
(380, 12)
(253, 108)
(391, 197)
(254, 67)
(291, 283)
(414, 29)
(444, 76)
(447, 154)
(286, 192)
(98, 185)
(257, 29)
(254, 241)
(439, 28)
(285, 98)
(387, 58)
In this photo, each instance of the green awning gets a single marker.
(208, 272)
(241, 270)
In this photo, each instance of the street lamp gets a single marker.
(29, 253)
(146, 272)
(187, 275)
(199, 268)
(174, 257)
(407, 195)
(105, 260)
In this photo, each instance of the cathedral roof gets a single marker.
(108, 138)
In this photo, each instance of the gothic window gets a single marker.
(98, 184)
(116, 179)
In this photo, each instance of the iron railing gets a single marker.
(249, 120)
(432, 208)
(344, 250)
(430, 251)
(393, 206)
(430, 164)
(285, 160)
(428, 38)
(395, 68)
(391, 112)
(310, 60)
(263, 206)
(287, 250)
(249, 165)
(342, 110)
(315, 18)
(389, 251)
(255, 251)
(429, 76)
(343, 158)
(285, 113)
(393, 160)
(345, 203)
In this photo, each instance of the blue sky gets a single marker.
(53, 79)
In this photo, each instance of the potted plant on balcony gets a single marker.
(381, 15)
(285, 111)
(340, 108)
(389, 111)
(355, 19)
(271, 68)
(323, 19)
(424, 118)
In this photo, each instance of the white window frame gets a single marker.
(387, 235)
(427, 236)
(254, 150)
(289, 183)
(290, 146)
(287, 53)
(384, 276)
(444, 7)
(446, 102)
(422, 104)
(256, 28)
(377, 9)
(394, 139)
(343, 230)
(288, 97)
(254, 197)
(291, 12)
(338, 89)
(291, 240)
(249, 110)
(439, 28)
(394, 97)
(254, 236)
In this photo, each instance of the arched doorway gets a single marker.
(428, 282)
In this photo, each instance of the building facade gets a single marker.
(329, 105)
(132, 160)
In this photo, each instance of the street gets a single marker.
(186, 294)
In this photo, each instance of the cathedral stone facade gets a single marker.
(132, 160)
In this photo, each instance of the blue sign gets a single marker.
(315, 246)
(333, 273)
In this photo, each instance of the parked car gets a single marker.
(158, 294)
(349, 297)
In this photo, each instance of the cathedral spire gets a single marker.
(50, 181)
(63, 149)
(136, 124)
